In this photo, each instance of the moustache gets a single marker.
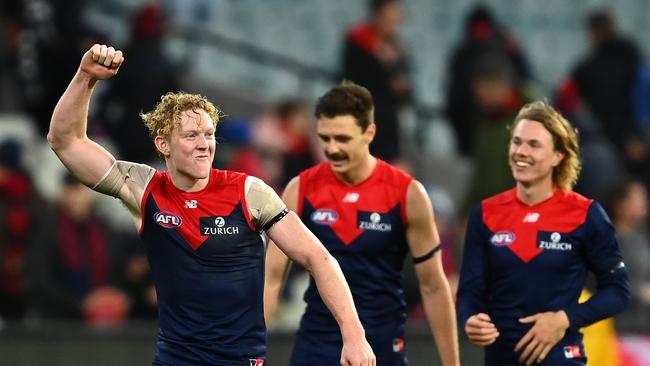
(336, 156)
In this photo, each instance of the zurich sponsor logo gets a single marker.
(502, 238)
(324, 216)
(168, 220)
(556, 243)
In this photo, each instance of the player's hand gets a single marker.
(101, 62)
(548, 329)
(357, 353)
(480, 330)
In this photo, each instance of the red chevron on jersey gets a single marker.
(505, 215)
(350, 210)
(176, 214)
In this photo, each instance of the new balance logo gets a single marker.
(531, 217)
(256, 362)
(351, 197)
(191, 203)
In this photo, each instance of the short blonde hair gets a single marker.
(167, 114)
(565, 140)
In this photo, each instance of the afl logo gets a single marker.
(502, 238)
(324, 216)
(168, 220)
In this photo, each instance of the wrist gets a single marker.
(562, 315)
(352, 333)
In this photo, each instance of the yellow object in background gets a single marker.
(600, 340)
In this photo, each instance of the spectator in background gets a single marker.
(498, 98)
(606, 80)
(153, 74)
(74, 262)
(484, 36)
(374, 58)
(601, 166)
(51, 38)
(19, 215)
(627, 203)
(300, 152)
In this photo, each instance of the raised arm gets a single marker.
(87, 160)
(67, 136)
(294, 239)
(423, 240)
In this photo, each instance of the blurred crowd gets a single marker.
(62, 256)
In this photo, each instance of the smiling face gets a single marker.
(189, 150)
(345, 145)
(532, 155)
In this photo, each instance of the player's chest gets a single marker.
(362, 219)
(217, 225)
(546, 239)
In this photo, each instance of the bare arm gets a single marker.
(277, 263)
(296, 241)
(422, 237)
(84, 158)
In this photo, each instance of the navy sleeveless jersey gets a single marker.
(521, 260)
(363, 227)
(207, 261)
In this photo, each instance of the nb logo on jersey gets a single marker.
(531, 217)
(502, 238)
(191, 203)
(398, 345)
(351, 197)
(256, 362)
(324, 216)
(168, 220)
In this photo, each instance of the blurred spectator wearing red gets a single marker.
(150, 74)
(483, 38)
(374, 57)
(74, 263)
(19, 215)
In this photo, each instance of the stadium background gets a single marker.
(250, 57)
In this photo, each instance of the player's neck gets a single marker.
(360, 172)
(188, 184)
(533, 194)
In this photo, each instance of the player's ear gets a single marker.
(162, 145)
(558, 156)
(371, 130)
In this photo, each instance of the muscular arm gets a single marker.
(277, 263)
(422, 238)
(84, 158)
(298, 243)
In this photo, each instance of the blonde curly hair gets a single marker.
(167, 114)
(565, 140)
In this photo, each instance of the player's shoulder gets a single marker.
(498, 200)
(575, 199)
(317, 172)
(391, 174)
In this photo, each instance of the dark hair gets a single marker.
(601, 20)
(375, 5)
(287, 107)
(347, 98)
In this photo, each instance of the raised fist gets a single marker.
(101, 62)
